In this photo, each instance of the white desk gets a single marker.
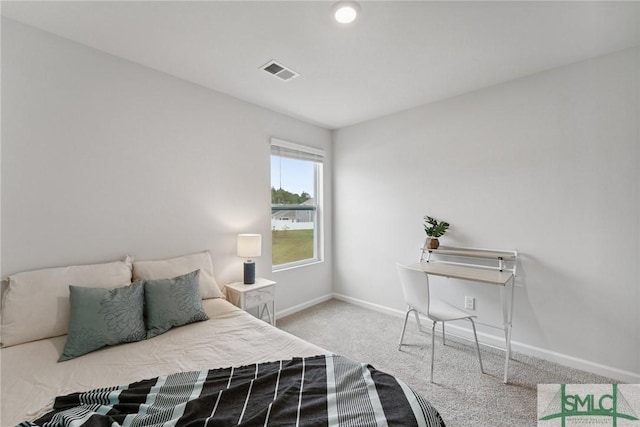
(446, 262)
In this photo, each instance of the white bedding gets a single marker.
(31, 377)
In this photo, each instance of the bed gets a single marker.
(236, 370)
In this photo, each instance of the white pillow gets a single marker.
(179, 266)
(36, 305)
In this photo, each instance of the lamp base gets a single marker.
(249, 273)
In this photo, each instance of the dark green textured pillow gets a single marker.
(172, 302)
(101, 317)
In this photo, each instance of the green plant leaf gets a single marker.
(435, 228)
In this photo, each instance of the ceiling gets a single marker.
(396, 56)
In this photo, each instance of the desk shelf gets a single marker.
(506, 260)
(474, 253)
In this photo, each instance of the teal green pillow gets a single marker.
(172, 302)
(101, 317)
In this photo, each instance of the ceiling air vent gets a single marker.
(279, 71)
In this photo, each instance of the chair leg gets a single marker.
(406, 317)
(477, 345)
(433, 345)
(443, 342)
(415, 312)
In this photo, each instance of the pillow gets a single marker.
(172, 302)
(36, 303)
(164, 269)
(101, 317)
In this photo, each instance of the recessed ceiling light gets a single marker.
(345, 12)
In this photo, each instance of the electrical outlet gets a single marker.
(470, 303)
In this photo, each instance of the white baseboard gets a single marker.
(370, 305)
(498, 341)
(304, 305)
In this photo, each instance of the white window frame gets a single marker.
(303, 152)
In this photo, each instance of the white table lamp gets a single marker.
(249, 246)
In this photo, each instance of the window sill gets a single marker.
(294, 265)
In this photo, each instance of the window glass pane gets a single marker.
(293, 210)
(292, 175)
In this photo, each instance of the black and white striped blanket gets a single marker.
(312, 391)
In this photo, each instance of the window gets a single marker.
(296, 204)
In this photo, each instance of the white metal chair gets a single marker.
(415, 287)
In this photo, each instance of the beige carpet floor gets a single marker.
(463, 395)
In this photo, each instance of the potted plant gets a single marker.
(434, 229)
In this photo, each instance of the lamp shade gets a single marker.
(249, 245)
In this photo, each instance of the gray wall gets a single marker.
(102, 158)
(548, 165)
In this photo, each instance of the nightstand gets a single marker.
(260, 296)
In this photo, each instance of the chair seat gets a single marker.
(440, 311)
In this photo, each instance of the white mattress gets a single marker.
(31, 377)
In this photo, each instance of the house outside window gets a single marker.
(296, 204)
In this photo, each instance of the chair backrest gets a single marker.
(415, 287)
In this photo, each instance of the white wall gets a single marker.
(102, 158)
(549, 165)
